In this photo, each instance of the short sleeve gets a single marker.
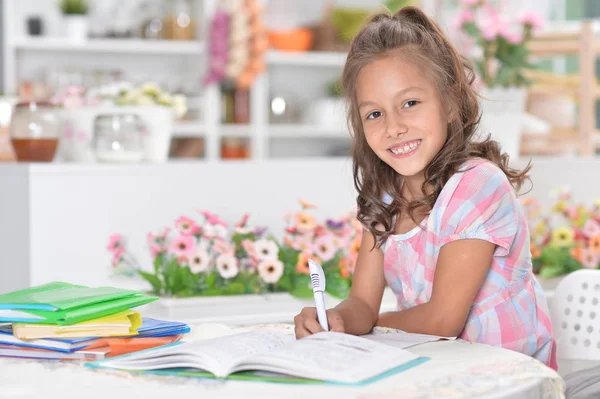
(478, 203)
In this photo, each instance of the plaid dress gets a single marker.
(510, 309)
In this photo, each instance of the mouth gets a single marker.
(405, 149)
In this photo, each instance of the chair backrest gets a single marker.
(576, 315)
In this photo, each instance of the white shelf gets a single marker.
(235, 130)
(308, 58)
(306, 131)
(189, 129)
(136, 46)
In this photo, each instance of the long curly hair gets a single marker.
(412, 34)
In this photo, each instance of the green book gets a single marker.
(64, 303)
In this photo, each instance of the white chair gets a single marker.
(575, 312)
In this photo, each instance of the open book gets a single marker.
(326, 356)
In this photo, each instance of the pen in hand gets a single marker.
(317, 277)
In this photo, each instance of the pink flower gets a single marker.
(117, 255)
(513, 37)
(115, 242)
(532, 19)
(464, 17)
(186, 226)
(249, 248)
(591, 228)
(324, 248)
(223, 247)
(589, 259)
(211, 218)
(182, 246)
(156, 250)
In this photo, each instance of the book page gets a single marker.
(215, 355)
(331, 356)
(401, 339)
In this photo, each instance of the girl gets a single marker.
(443, 226)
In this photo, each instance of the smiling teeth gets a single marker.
(406, 148)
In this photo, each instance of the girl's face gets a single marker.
(404, 120)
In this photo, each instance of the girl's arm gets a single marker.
(359, 312)
(461, 269)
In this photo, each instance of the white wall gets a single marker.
(56, 219)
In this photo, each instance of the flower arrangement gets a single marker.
(501, 43)
(566, 238)
(206, 259)
(334, 244)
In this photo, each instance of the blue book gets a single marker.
(150, 328)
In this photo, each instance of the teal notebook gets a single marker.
(64, 303)
(273, 356)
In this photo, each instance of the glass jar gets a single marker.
(152, 26)
(35, 131)
(119, 138)
(179, 23)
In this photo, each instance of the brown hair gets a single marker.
(415, 36)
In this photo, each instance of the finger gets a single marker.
(336, 323)
(299, 329)
(312, 325)
(301, 332)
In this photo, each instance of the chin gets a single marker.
(406, 167)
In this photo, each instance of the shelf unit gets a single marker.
(259, 132)
(128, 46)
(584, 43)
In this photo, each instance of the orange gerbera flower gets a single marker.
(595, 244)
(302, 265)
(535, 251)
(577, 253)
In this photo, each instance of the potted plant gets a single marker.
(76, 18)
(498, 46)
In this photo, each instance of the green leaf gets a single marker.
(157, 288)
(302, 287)
(337, 286)
(211, 280)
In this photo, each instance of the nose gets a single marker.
(395, 126)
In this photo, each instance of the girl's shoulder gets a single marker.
(475, 175)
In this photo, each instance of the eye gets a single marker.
(374, 115)
(410, 104)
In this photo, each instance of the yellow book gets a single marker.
(120, 324)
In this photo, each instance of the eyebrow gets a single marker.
(399, 93)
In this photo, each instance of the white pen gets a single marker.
(317, 277)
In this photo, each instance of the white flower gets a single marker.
(266, 249)
(151, 89)
(179, 105)
(270, 270)
(227, 265)
(243, 230)
(214, 230)
(144, 100)
(200, 261)
(324, 248)
(165, 99)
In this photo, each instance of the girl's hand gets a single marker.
(306, 322)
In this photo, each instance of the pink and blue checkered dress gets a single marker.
(510, 310)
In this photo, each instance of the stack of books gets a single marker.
(62, 321)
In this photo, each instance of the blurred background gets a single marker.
(156, 80)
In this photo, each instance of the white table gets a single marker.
(457, 369)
